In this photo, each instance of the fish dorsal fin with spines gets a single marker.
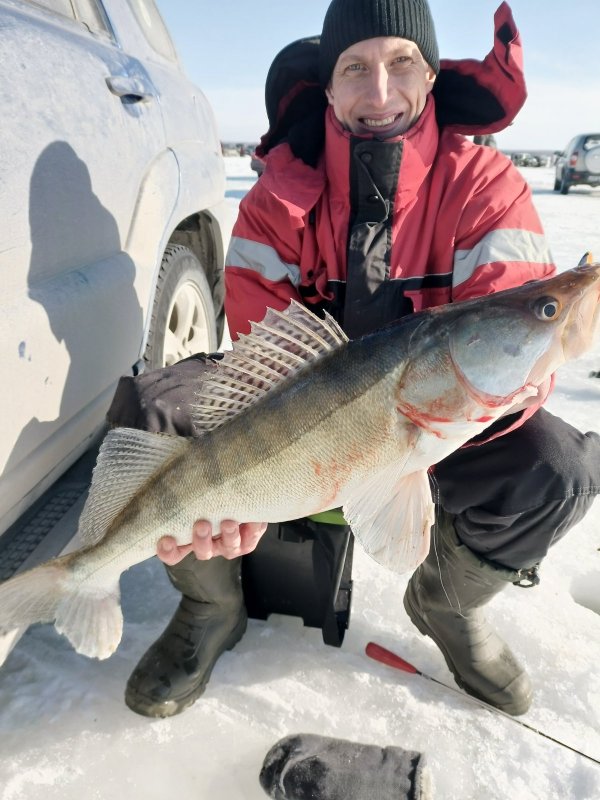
(127, 459)
(279, 346)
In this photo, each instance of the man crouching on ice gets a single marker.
(389, 213)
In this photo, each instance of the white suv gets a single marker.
(113, 224)
(579, 163)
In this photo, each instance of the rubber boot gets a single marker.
(444, 599)
(210, 619)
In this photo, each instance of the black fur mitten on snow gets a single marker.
(310, 767)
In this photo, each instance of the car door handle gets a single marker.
(129, 89)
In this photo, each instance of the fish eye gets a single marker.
(547, 308)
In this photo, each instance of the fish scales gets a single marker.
(251, 456)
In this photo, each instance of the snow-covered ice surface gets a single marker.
(65, 733)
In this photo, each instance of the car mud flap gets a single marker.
(303, 569)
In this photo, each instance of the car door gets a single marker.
(81, 127)
(191, 135)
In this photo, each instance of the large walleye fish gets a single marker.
(298, 420)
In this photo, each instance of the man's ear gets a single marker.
(430, 77)
(329, 94)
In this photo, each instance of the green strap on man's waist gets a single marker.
(333, 517)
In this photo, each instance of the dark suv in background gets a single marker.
(579, 164)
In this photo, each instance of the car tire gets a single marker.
(183, 314)
(556, 184)
(564, 185)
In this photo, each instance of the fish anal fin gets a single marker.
(92, 621)
(392, 516)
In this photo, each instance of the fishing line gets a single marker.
(435, 487)
(384, 656)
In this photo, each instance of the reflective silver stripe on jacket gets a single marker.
(502, 245)
(261, 258)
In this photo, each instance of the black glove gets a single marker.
(159, 401)
(310, 767)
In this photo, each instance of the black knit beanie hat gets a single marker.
(350, 21)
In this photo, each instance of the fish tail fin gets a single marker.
(89, 616)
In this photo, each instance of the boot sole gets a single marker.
(421, 626)
(170, 708)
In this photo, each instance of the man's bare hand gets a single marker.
(235, 539)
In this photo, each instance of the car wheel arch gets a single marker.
(199, 235)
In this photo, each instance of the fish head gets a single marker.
(503, 351)
(470, 362)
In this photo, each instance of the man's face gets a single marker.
(380, 86)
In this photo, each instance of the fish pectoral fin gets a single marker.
(127, 459)
(392, 516)
(92, 621)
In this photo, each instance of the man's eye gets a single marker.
(354, 67)
(402, 60)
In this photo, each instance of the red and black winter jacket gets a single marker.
(379, 229)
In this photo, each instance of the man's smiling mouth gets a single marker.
(380, 123)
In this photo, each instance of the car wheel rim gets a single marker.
(187, 328)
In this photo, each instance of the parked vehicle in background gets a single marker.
(486, 139)
(257, 163)
(529, 159)
(114, 224)
(579, 164)
(522, 160)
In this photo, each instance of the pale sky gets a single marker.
(227, 47)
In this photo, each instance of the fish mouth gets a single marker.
(583, 326)
(542, 343)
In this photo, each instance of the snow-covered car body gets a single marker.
(114, 224)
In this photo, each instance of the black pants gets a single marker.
(515, 496)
